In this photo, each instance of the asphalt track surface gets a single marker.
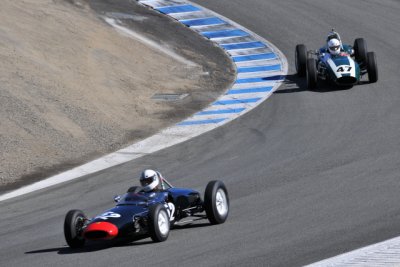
(310, 174)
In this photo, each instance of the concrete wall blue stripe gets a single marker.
(243, 45)
(254, 57)
(259, 68)
(204, 21)
(220, 111)
(249, 90)
(236, 101)
(184, 123)
(177, 9)
(224, 33)
(258, 80)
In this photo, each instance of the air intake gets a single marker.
(100, 230)
(346, 80)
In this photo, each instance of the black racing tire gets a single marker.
(301, 59)
(159, 224)
(73, 223)
(360, 50)
(216, 202)
(372, 67)
(312, 73)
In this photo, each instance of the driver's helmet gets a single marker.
(334, 46)
(333, 35)
(150, 180)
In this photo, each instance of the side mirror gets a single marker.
(117, 198)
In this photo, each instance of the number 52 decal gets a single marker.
(108, 214)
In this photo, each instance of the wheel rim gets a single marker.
(163, 221)
(79, 222)
(221, 202)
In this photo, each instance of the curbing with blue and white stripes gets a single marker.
(261, 68)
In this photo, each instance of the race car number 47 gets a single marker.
(344, 69)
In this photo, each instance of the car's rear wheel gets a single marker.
(159, 224)
(216, 202)
(301, 59)
(311, 73)
(360, 50)
(73, 224)
(372, 67)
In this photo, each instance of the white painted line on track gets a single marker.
(386, 253)
(240, 102)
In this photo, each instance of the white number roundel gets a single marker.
(108, 214)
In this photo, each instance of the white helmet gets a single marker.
(334, 46)
(149, 180)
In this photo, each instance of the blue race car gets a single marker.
(345, 67)
(140, 214)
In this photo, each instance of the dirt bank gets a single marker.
(72, 88)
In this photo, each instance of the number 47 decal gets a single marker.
(344, 69)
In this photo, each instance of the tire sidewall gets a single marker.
(154, 229)
(74, 240)
(372, 67)
(210, 202)
(300, 59)
(360, 50)
(311, 73)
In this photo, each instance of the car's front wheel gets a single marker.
(300, 59)
(73, 224)
(159, 223)
(372, 67)
(311, 73)
(216, 202)
(360, 50)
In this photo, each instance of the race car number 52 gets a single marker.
(109, 214)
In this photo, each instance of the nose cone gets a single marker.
(100, 230)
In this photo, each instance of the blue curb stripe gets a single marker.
(254, 57)
(221, 111)
(243, 45)
(202, 22)
(177, 9)
(258, 80)
(236, 101)
(259, 68)
(184, 123)
(225, 33)
(250, 90)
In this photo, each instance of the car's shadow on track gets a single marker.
(68, 250)
(191, 225)
(94, 246)
(102, 245)
(296, 84)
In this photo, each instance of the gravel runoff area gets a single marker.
(72, 88)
